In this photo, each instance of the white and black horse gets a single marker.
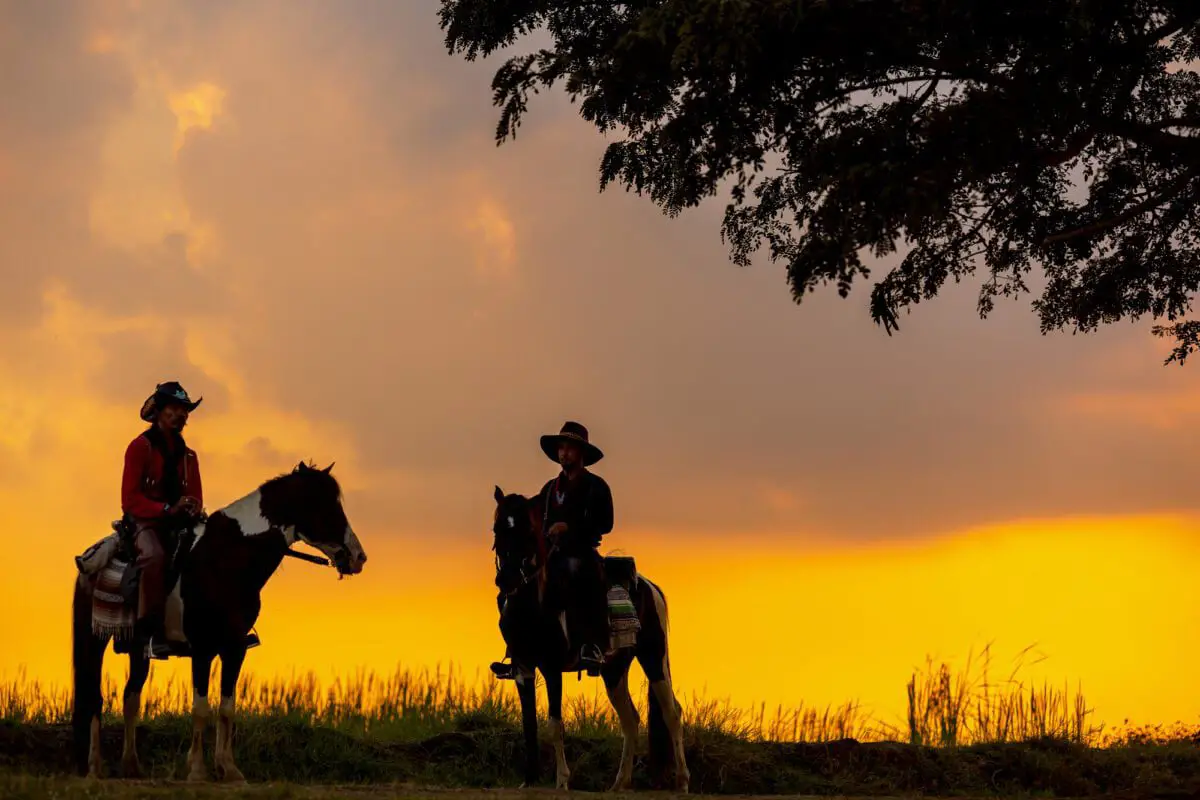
(213, 606)
(536, 634)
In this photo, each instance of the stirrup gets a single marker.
(163, 649)
(591, 658)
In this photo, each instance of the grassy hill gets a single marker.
(963, 736)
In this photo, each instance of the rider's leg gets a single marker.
(502, 670)
(150, 558)
(590, 603)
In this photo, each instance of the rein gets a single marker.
(526, 577)
(324, 562)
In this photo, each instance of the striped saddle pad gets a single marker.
(622, 618)
(111, 615)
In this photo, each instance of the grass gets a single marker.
(964, 733)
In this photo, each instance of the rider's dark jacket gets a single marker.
(584, 504)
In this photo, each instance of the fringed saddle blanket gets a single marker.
(622, 618)
(623, 622)
(111, 616)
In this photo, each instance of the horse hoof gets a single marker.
(230, 775)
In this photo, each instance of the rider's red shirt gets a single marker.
(141, 484)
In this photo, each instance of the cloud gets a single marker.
(301, 212)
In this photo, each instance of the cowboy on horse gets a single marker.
(161, 494)
(576, 510)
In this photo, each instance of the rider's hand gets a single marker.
(558, 529)
(185, 504)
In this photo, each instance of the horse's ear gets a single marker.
(328, 469)
(499, 495)
(301, 467)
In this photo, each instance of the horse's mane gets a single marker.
(308, 471)
(535, 524)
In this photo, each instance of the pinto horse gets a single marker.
(537, 638)
(233, 554)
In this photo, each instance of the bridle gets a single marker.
(529, 569)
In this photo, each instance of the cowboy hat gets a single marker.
(571, 432)
(169, 392)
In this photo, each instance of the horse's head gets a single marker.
(517, 540)
(309, 501)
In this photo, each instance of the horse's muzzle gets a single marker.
(350, 557)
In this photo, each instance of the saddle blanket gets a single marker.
(111, 615)
(622, 616)
(96, 557)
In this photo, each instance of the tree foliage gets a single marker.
(1004, 136)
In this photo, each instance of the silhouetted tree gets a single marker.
(1012, 135)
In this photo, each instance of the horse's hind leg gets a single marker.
(231, 667)
(87, 684)
(139, 670)
(201, 713)
(616, 681)
(95, 671)
(554, 686)
(664, 693)
(665, 725)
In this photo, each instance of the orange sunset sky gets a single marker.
(296, 209)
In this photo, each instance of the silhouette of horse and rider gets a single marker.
(172, 581)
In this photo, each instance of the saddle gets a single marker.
(176, 544)
(619, 578)
(111, 565)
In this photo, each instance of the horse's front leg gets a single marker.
(231, 668)
(554, 686)
(201, 714)
(527, 692)
(139, 670)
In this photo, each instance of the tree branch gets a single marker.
(1153, 201)
(1179, 122)
(1075, 145)
(842, 94)
(1168, 29)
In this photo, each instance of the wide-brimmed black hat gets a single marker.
(164, 393)
(571, 432)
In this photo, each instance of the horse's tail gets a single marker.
(661, 755)
(87, 659)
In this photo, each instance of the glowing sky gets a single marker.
(296, 208)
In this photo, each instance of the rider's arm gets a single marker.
(600, 508)
(133, 502)
(195, 487)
